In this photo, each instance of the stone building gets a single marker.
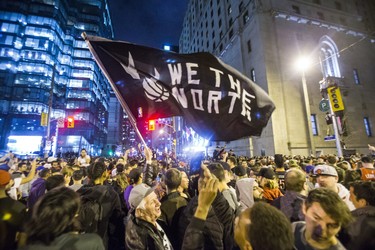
(264, 38)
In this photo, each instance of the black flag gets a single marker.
(216, 100)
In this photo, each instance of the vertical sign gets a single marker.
(44, 119)
(60, 122)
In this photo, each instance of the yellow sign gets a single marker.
(44, 119)
(335, 99)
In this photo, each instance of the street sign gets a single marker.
(324, 105)
(60, 122)
(330, 138)
(44, 119)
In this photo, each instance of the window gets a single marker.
(338, 6)
(314, 124)
(366, 121)
(252, 74)
(246, 17)
(219, 11)
(229, 10)
(329, 57)
(296, 9)
(248, 46)
(241, 7)
(343, 21)
(230, 33)
(316, 1)
(356, 76)
(220, 23)
(320, 15)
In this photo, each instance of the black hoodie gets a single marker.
(111, 205)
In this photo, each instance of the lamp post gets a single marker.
(303, 63)
(50, 102)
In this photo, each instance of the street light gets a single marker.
(303, 63)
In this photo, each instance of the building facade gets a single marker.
(264, 39)
(46, 65)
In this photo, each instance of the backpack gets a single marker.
(91, 213)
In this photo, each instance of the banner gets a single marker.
(43, 119)
(216, 100)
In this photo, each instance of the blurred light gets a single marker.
(303, 63)
(167, 47)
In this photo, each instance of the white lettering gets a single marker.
(191, 73)
(246, 109)
(213, 99)
(235, 85)
(180, 96)
(176, 73)
(197, 95)
(217, 77)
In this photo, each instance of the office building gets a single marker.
(45, 63)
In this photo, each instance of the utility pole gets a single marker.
(50, 101)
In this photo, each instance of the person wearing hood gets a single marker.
(247, 189)
(110, 201)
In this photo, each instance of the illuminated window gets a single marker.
(356, 76)
(252, 75)
(329, 55)
(366, 121)
(314, 124)
(8, 27)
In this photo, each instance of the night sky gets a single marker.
(148, 22)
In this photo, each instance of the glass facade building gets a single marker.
(45, 63)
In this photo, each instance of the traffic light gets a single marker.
(70, 122)
(151, 125)
(335, 99)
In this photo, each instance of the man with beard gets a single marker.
(325, 213)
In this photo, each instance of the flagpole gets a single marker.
(118, 95)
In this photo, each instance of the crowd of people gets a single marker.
(232, 202)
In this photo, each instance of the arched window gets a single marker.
(329, 55)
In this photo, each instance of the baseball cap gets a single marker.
(325, 170)
(4, 177)
(138, 193)
(267, 173)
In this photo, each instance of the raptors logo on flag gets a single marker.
(216, 100)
